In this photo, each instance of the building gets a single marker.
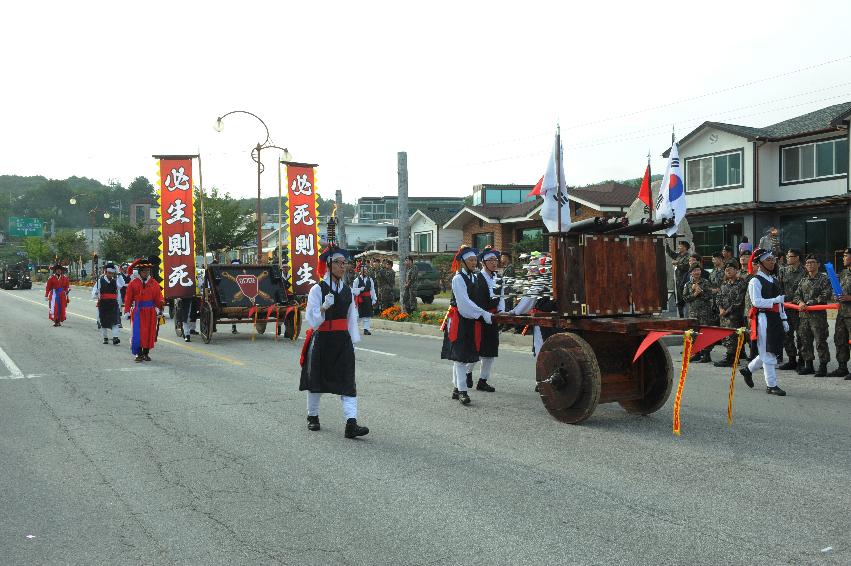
(144, 213)
(429, 235)
(742, 180)
(501, 194)
(386, 209)
(515, 227)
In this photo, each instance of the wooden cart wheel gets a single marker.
(657, 368)
(568, 377)
(260, 327)
(207, 323)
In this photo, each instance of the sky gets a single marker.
(472, 91)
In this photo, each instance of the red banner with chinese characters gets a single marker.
(303, 227)
(177, 227)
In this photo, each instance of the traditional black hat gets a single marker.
(328, 255)
(56, 266)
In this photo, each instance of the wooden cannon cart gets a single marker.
(609, 291)
(247, 294)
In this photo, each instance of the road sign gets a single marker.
(21, 226)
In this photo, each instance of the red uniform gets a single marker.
(56, 292)
(140, 300)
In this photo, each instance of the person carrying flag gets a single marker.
(143, 303)
(328, 354)
(106, 291)
(767, 321)
(56, 293)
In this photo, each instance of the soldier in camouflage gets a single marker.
(680, 262)
(409, 291)
(385, 281)
(698, 297)
(843, 319)
(731, 309)
(716, 278)
(814, 289)
(790, 276)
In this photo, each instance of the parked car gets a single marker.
(15, 276)
(428, 282)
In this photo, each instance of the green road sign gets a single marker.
(21, 226)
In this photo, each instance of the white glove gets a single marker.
(785, 326)
(487, 316)
(127, 316)
(780, 299)
(159, 312)
(328, 302)
(356, 291)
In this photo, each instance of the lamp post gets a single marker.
(265, 144)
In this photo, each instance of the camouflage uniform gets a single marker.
(716, 279)
(843, 320)
(409, 295)
(385, 282)
(732, 296)
(700, 306)
(790, 277)
(813, 325)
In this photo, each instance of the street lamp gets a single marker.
(266, 144)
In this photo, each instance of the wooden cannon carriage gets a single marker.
(247, 294)
(610, 290)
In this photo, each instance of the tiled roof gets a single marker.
(500, 211)
(606, 194)
(439, 217)
(823, 120)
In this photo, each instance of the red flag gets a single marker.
(644, 191)
(537, 190)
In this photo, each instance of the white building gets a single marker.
(429, 235)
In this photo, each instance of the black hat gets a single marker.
(727, 248)
(732, 263)
(487, 252)
(847, 251)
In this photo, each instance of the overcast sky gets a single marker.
(471, 90)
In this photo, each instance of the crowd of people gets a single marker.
(795, 323)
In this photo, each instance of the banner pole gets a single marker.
(280, 222)
(201, 202)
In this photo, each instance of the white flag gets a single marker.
(671, 202)
(552, 190)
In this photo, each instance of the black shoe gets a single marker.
(725, 363)
(139, 358)
(463, 398)
(779, 358)
(537, 388)
(807, 369)
(469, 380)
(146, 357)
(106, 340)
(455, 393)
(116, 341)
(482, 385)
(791, 364)
(775, 391)
(233, 330)
(841, 371)
(848, 377)
(800, 364)
(186, 338)
(746, 373)
(822, 371)
(367, 333)
(313, 422)
(353, 429)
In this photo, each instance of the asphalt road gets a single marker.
(202, 457)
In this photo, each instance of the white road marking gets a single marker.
(10, 365)
(376, 352)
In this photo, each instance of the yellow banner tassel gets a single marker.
(296, 324)
(741, 342)
(687, 342)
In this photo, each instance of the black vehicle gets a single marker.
(428, 282)
(16, 276)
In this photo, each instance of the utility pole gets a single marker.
(341, 227)
(402, 209)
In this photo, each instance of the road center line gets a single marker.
(166, 340)
(11, 366)
(376, 352)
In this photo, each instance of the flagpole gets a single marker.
(558, 173)
(650, 188)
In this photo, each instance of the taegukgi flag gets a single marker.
(671, 202)
(553, 189)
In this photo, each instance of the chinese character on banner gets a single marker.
(303, 241)
(177, 226)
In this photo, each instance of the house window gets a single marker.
(814, 160)
(482, 240)
(424, 242)
(714, 171)
(577, 208)
(493, 196)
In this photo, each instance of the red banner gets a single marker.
(303, 227)
(177, 227)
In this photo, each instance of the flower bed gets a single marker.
(395, 313)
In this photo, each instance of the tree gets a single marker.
(70, 246)
(127, 242)
(228, 223)
(37, 249)
(141, 190)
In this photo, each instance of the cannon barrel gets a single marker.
(644, 226)
(597, 225)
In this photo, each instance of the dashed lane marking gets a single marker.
(165, 340)
(375, 351)
(14, 370)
